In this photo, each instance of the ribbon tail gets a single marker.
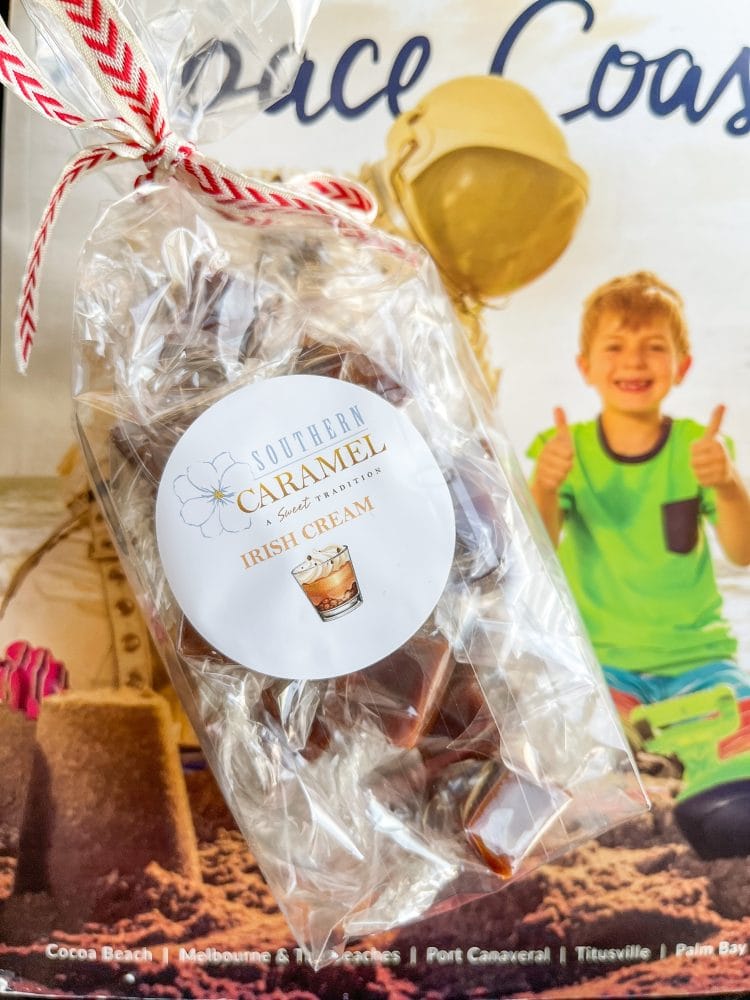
(335, 197)
(347, 195)
(21, 76)
(26, 322)
(116, 61)
(255, 202)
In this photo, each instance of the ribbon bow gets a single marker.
(116, 59)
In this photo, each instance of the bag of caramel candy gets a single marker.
(337, 553)
(331, 540)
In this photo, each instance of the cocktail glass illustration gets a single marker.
(328, 579)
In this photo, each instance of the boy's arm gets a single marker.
(553, 465)
(733, 520)
(714, 469)
(548, 505)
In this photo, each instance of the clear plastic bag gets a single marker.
(218, 62)
(338, 557)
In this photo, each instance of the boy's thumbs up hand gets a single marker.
(556, 457)
(714, 424)
(709, 458)
(561, 423)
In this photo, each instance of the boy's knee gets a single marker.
(624, 703)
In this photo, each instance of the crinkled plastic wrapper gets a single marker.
(339, 561)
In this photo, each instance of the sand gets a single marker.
(640, 885)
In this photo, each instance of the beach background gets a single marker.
(666, 193)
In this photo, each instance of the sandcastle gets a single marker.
(106, 794)
(16, 756)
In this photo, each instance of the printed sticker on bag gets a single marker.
(305, 527)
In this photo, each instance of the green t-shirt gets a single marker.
(634, 549)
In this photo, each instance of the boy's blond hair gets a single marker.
(637, 298)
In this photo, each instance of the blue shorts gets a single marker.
(645, 689)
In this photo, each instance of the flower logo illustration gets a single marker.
(208, 494)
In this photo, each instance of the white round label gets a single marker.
(304, 527)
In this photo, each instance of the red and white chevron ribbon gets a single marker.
(130, 84)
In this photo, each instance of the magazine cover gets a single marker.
(575, 169)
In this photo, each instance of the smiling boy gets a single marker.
(624, 498)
